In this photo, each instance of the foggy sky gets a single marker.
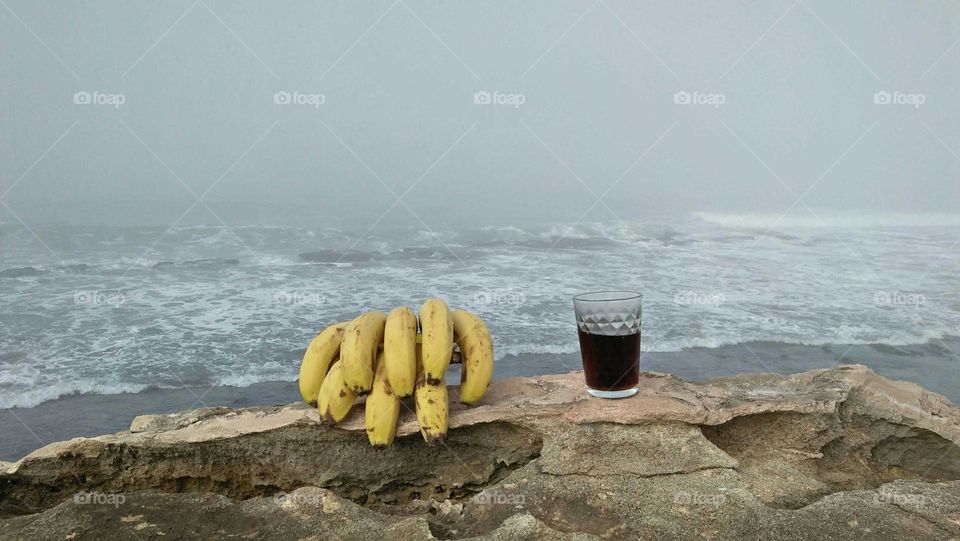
(598, 117)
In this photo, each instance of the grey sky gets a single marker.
(598, 83)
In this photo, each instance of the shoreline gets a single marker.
(932, 365)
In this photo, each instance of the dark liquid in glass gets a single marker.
(610, 363)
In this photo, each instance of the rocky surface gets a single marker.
(827, 454)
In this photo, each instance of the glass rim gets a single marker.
(624, 295)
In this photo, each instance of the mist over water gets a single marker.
(323, 115)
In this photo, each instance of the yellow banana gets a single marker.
(323, 349)
(432, 409)
(400, 350)
(383, 409)
(436, 325)
(335, 398)
(476, 350)
(359, 350)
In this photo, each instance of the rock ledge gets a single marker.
(827, 454)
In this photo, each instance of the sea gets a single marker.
(99, 323)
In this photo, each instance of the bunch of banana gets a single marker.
(385, 358)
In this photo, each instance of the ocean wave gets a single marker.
(271, 371)
(21, 272)
(215, 322)
(212, 262)
(896, 339)
(828, 219)
(517, 350)
(35, 396)
(580, 236)
(337, 256)
(415, 253)
(272, 260)
(275, 371)
(598, 235)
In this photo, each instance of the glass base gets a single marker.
(613, 394)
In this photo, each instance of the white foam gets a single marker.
(534, 349)
(718, 342)
(271, 371)
(827, 219)
(34, 396)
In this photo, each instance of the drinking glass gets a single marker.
(608, 323)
